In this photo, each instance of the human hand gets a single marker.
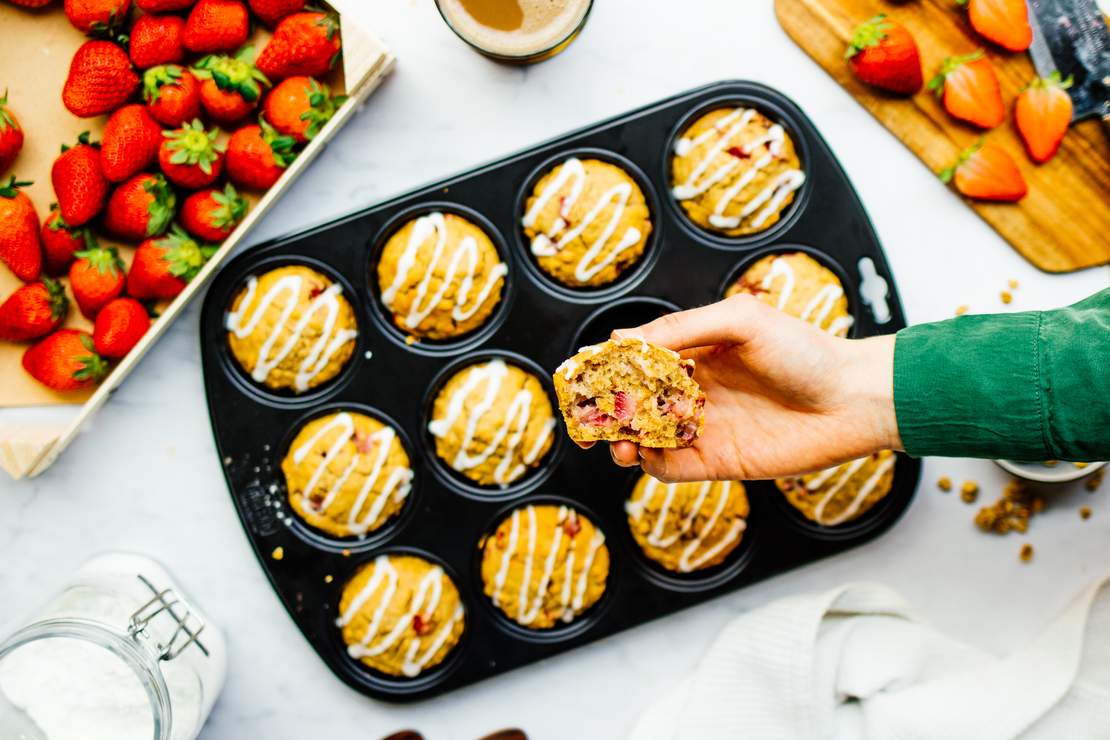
(782, 397)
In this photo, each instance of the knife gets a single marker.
(1071, 37)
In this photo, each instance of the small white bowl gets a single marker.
(1061, 472)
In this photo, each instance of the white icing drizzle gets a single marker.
(732, 125)
(425, 227)
(529, 603)
(687, 562)
(849, 470)
(591, 263)
(825, 298)
(492, 374)
(398, 484)
(327, 345)
(430, 590)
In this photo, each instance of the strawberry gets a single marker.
(20, 249)
(33, 311)
(1004, 22)
(191, 157)
(272, 11)
(156, 39)
(1042, 114)
(883, 53)
(257, 156)
(162, 267)
(217, 25)
(60, 241)
(130, 143)
(163, 6)
(986, 172)
(230, 86)
(97, 15)
(119, 327)
(11, 134)
(300, 106)
(969, 90)
(213, 214)
(140, 207)
(100, 79)
(65, 361)
(172, 94)
(303, 44)
(31, 4)
(95, 278)
(79, 182)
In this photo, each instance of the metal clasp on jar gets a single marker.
(172, 635)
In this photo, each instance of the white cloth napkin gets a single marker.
(855, 662)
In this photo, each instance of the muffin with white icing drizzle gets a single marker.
(801, 286)
(586, 222)
(734, 171)
(291, 329)
(347, 474)
(544, 564)
(841, 493)
(440, 276)
(492, 422)
(686, 527)
(401, 615)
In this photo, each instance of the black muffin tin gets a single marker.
(538, 325)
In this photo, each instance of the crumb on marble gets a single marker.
(1013, 283)
(969, 491)
(1085, 512)
(1006, 296)
(944, 483)
(961, 310)
(1094, 480)
(1026, 553)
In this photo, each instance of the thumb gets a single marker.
(731, 321)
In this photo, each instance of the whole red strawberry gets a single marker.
(60, 242)
(119, 327)
(163, 267)
(191, 157)
(300, 106)
(163, 6)
(96, 278)
(79, 182)
(230, 86)
(130, 143)
(19, 232)
(33, 311)
(257, 156)
(211, 215)
(31, 4)
(172, 94)
(271, 12)
(140, 207)
(100, 79)
(65, 361)
(11, 134)
(156, 39)
(303, 44)
(97, 15)
(217, 25)
(883, 53)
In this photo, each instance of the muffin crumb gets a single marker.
(1007, 297)
(944, 483)
(328, 578)
(1085, 512)
(278, 553)
(969, 491)
(1026, 553)
(1011, 512)
(1012, 283)
(1080, 465)
(1051, 463)
(1095, 480)
(961, 310)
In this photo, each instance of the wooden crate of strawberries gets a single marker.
(140, 140)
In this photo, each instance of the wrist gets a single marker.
(869, 384)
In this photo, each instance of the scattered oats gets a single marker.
(1026, 553)
(944, 483)
(346, 553)
(969, 491)
(1085, 512)
(1006, 296)
(961, 310)
(410, 340)
(1010, 513)
(328, 578)
(278, 553)
(1080, 465)
(1012, 283)
(1095, 480)
(1051, 463)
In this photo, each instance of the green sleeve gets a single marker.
(1024, 386)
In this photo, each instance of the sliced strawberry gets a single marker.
(1003, 22)
(969, 89)
(986, 172)
(624, 406)
(1042, 113)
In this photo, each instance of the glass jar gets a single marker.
(117, 654)
(516, 31)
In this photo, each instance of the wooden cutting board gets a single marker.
(1063, 224)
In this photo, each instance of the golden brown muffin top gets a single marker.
(843, 492)
(801, 286)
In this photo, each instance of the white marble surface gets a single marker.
(145, 475)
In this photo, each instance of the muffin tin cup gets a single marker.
(633, 274)
(536, 327)
(355, 543)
